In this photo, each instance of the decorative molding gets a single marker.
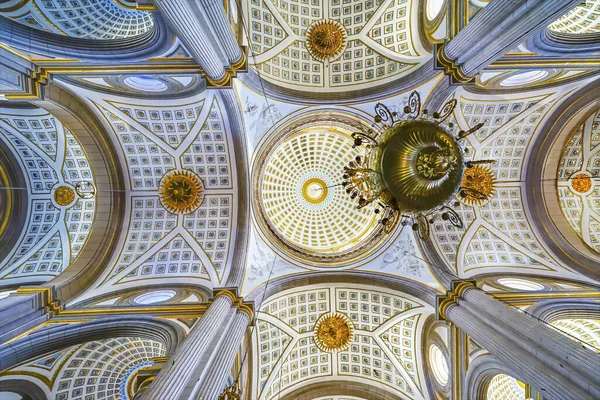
(452, 297)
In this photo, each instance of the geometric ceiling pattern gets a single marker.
(102, 369)
(385, 350)
(299, 192)
(152, 138)
(504, 387)
(91, 19)
(382, 43)
(585, 18)
(497, 237)
(577, 181)
(50, 158)
(585, 330)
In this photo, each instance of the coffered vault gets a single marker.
(177, 222)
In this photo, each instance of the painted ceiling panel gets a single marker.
(382, 42)
(50, 158)
(577, 183)
(155, 138)
(385, 349)
(92, 19)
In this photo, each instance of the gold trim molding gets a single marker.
(452, 297)
(237, 301)
(450, 67)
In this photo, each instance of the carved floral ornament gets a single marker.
(333, 332)
(181, 191)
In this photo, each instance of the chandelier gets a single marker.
(414, 167)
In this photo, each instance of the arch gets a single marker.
(242, 166)
(23, 387)
(104, 163)
(413, 288)
(550, 43)
(423, 74)
(541, 195)
(131, 292)
(13, 215)
(480, 373)
(340, 388)
(557, 309)
(58, 337)
(150, 44)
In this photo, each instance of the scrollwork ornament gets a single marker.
(453, 217)
(413, 108)
(384, 115)
(446, 110)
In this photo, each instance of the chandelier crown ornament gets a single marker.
(415, 167)
(181, 191)
(64, 196)
(333, 332)
(326, 40)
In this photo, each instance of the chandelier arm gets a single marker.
(446, 111)
(464, 134)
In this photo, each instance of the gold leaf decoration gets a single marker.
(181, 191)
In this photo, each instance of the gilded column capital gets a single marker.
(452, 297)
(449, 66)
(46, 297)
(236, 300)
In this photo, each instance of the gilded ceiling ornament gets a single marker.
(181, 191)
(333, 332)
(64, 195)
(326, 40)
(414, 166)
(479, 184)
(581, 183)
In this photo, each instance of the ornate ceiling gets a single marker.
(498, 236)
(196, 213)
(384, 349)
(578, 188)
(154, 138)
(381, 42)
(583, 19)
(60, 214)
(106, 368)
(92, 19)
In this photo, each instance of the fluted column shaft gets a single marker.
(218, 18)
(172, 379)
(213, 382)
(499, 28)
(547, 360)
(181, 18)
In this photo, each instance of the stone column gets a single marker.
(218, 18)
(173, 378)
(25, 310)
(214, 381)
(536, 354)
(497, 29)
(180, 17)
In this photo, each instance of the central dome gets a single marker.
(301, 204)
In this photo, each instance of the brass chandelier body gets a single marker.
(414, 168)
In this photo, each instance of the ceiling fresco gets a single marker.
(106, 368)
(498, 236)
(577, 181)
(381, 42)
(91, 19)
(60, 212)
(155, 138)
(384, 349)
